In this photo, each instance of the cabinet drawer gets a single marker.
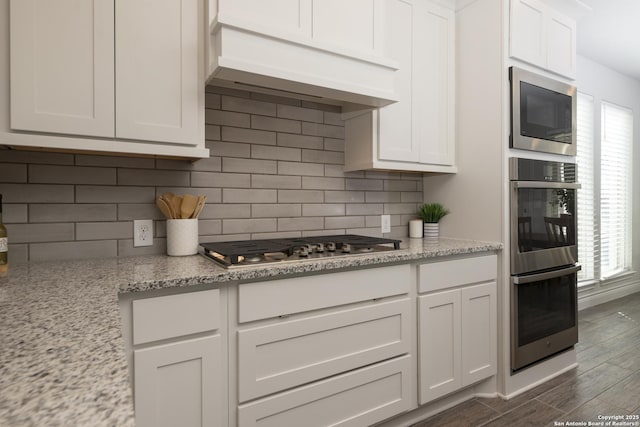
(276, 357)
(357, 398)
(175, 315)
(262, 300)
(458, 272)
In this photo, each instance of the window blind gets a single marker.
(615, 192)
(588, 245)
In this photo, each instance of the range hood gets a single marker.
(250, 55)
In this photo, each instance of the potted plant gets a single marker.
(431, 214)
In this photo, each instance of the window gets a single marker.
(604, 201)
(587, 248)
(615, 191)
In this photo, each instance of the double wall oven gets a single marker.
(543, 259)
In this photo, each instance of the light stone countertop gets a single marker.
(62, 359)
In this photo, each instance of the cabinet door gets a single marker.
(353, 24)
(433, 115)
(62, 81)
(439, 344)
(528, 32)
(180, 384)
(396, 141)
(479, 332)
(291, 17)
(158, 70)
(561, 45)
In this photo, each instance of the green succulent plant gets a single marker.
(432, 212)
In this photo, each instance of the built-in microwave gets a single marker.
(543, 113)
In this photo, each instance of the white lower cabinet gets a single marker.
(457, 332)
(178, 384)
(176, 346)
(339, 349)
(479, 311)
(439, 329)
(356, 398)
(330, 349)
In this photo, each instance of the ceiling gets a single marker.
(610, 35)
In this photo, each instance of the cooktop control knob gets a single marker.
(331, 247)
(320, 247)
(346, 248)
(303, 251)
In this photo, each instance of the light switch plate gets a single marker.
(142, 232)
(385, 223)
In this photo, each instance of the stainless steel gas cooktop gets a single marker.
(255, 252)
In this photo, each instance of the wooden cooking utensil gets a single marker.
(199, 206)
(167, 198)
(176, 205)
(164, 208)
(189, 204)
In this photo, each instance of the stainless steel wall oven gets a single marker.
(544, 254)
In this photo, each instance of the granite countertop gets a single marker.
(62, 359)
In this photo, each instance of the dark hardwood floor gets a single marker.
(606, 382)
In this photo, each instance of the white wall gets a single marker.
(605, 84)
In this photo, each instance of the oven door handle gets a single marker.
(519, 280)
(542, 184)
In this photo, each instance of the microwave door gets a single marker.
(543, 113)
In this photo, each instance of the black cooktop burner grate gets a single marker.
(252, 248)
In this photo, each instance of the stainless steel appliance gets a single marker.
(543, 113)
(255, 252)
(543, 259)
(543, 214)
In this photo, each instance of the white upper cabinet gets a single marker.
(561, 45)
(158, 91)
(418, 132)
(351, 24)
(543, 37)
(328, 49)
(123, 76)
(62, 81)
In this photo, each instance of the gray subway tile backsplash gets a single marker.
(252, 106)
(300, 113)
(36, 193)
(299, 141)
(80, 212)
(30, 233)
(275, 153)
(250, 136)
(15, 213)
(230, 164)
(12, 172)
(72, 250)
(54, 174)
(232, 226)
(276, 170)
(104, 230)
(301, 169)
(276, 125)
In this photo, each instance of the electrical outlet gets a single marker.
(142, 232)
(385, 223)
